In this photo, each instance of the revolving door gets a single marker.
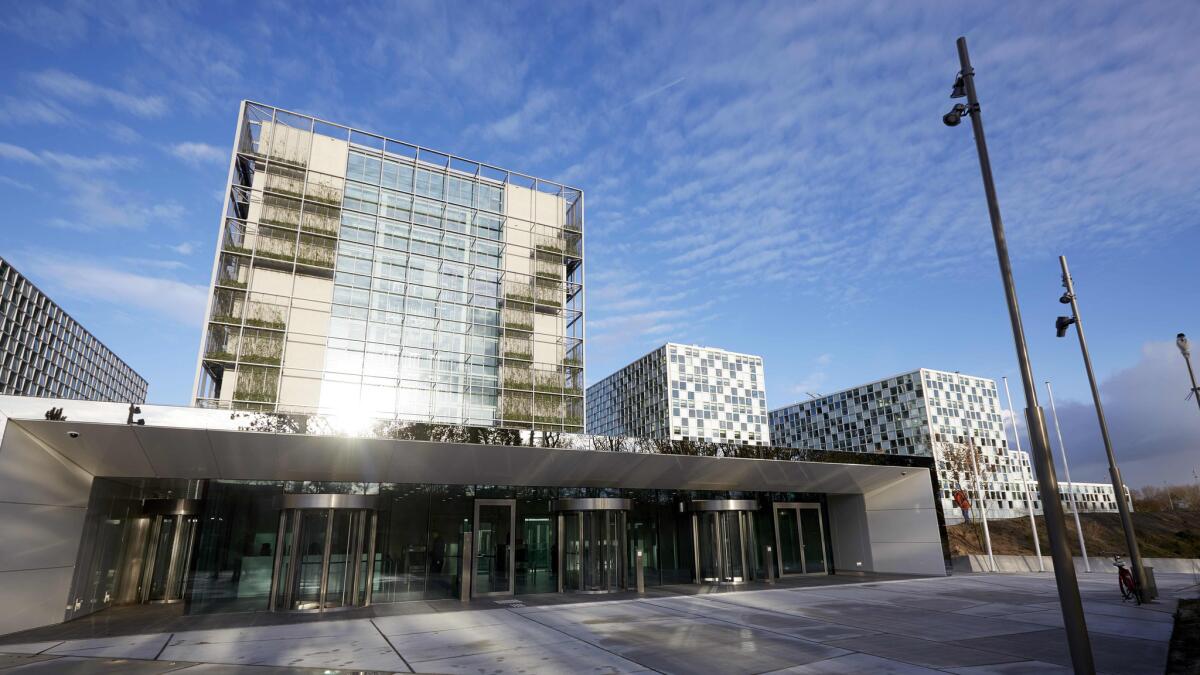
(169, 542)
(723, 545)
(324, 550)
(591, 544)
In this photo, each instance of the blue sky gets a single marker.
(767, 178)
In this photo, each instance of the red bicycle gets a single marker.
(1128, 585)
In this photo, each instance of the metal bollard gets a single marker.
(641, 573)
(770, 566)
(468, 562)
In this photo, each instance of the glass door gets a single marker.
(168, 555)
(495, 525)
(721, 542)
(321, 559)
(800, 538)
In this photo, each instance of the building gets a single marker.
(679, 392)
(931, 413)
(263, 512)
(367, 277)
(47, 353)
(385, 393)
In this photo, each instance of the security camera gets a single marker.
(952, 118)
(1062, 324)
(73, 434)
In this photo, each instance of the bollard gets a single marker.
(641, 574)
(468, 562)
(770, 566)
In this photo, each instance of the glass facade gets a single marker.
(366, 277)
(44, 352)
(409, 541)
(684, 392)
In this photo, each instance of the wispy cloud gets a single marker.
(198, 153)
(176, 301)
(15, 110)
(78, 90)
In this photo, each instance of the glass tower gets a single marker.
(362, 276)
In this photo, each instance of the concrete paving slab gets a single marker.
(1104, 625)
(1112, 654)
(358, 652)
(30, 647)
(14, 660)
(475, 640)
(1021, 668)
(568, 657)
(923, 652)
(808, 629)
(856, 664)
(126, 647)
(74, 665)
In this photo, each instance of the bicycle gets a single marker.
(1126, 582)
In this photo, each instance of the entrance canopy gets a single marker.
(191, 443)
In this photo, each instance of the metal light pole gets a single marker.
(1135, 556)
(1062, 447)
(1064, 569)
(1037, 544)
(1181, 341)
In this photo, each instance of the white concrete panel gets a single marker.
(32, 474)
(39, 537)
(309, 322)
(549, 209)
(329, 155)
(313, 288)
(300, 391)
(308, 357)
(33, 598)
(273, 282)
(518, 202)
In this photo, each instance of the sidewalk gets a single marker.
(972, 623)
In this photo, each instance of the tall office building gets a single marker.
(364, 276)
(937, 414)
(45, 352)
(683, 392)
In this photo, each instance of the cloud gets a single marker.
(185, 248)
(1155, 431)
(198, 153)
(12, 182)
(33, 111)
(18, 154)
(78, 90)
(176, 301)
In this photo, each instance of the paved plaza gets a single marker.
(972, 623)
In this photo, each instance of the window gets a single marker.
(489, 197)
(455, 248)
(486, 225)
(487, 253)
(363, 168)
(362, 198)
(397, 176)
(426, 241)
(426, 212)
(393, 235)
(459, 191)
(456, 219)
(396, 205)
(429, 183)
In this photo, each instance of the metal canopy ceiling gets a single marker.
(121, 450)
